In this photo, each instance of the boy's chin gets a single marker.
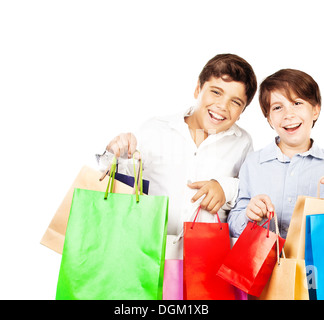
(215, 130)
(219, 128)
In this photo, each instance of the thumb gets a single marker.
(268, 203)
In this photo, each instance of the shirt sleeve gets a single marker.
(230, 188)
(237, 218)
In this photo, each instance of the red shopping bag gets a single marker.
(205, 246)
(249, 264)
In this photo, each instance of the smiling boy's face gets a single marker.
(293, 121)
(219, 105)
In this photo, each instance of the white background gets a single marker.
(73, 74)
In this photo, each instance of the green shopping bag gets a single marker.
(114, 246)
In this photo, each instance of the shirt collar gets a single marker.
(315, 151)
(272, 151)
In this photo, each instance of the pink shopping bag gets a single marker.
(173, 279)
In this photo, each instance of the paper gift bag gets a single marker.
(295, 240)
(239, 294)
(314, 249)
(173, 269)
(249, 264)
(205, 247)
(88, 178)
(173, 279)
(309, 261)
(114, 246)
(287, 281)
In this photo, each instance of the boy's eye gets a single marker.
(297, 103)
(237, 103)
(276, 108)
(216, 92)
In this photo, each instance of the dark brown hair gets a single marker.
(230, 67)
(289, 81)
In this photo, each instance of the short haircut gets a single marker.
(230, 67)
(289, 81)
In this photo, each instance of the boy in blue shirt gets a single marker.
(272, 178)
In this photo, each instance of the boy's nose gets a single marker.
(222, 104)
(289, 111)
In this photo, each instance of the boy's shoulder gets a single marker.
(239, 138)
(317, 151)
(157, 122)
(164, 121)
(264, 154)
(240, 132)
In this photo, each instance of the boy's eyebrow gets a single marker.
(275, 102)
(218, 88)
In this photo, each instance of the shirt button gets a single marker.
(289, 199)
(195, 153)
(292, 173)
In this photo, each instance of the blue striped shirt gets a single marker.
(268, 171)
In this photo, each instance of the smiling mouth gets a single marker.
(292, 127)
(216, 116)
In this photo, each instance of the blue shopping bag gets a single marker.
(314, 258)
(130, 181)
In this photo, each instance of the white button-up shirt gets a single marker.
(171, 159)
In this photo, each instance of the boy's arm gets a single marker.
(230, 188)
(223, 194)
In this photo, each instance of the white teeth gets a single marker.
(292, 126)
(216, 116)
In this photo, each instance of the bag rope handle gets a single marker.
(140, 177)
(268, 222)
(272, 214)
(194, 221)
(111, 177)
(137, 180)
(278, 235)
(180, 235)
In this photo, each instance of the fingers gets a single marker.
(123, 144)
(322, 180)
(255, 211)
(132, 144)
(198, 185)
(214, 196)
(211, 204)
(259, 207)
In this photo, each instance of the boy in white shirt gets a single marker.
(202, 145)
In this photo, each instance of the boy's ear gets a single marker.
(197, 90)
(316, 111)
